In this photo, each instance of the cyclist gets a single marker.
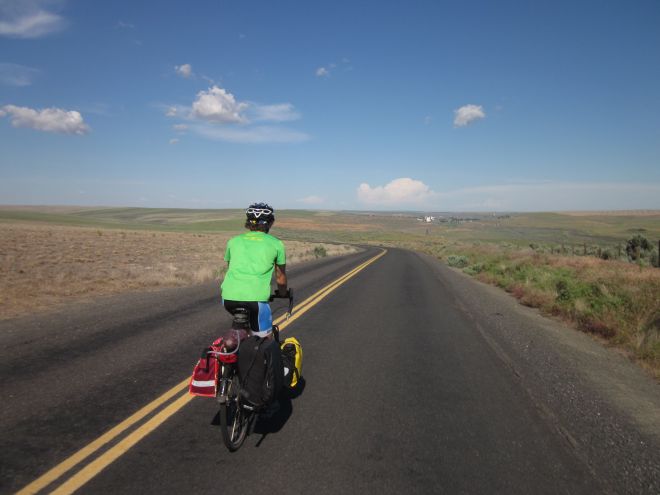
(252, 258)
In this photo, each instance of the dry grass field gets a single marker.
(44, 265)
(615, 213)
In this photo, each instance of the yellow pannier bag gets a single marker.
(292, 360)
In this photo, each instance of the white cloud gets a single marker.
(217, 105)
(174, 141)
(184, 70)
(48, 119)
(125, 25)
(217, 114)
(281, 112)
(251, 134)
(28, 19)
(312, 200)
(468, 114)
(16, 75)
(326, 70)
(402, 191)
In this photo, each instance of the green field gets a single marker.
(519, 229)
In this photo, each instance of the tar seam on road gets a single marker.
(112, 454)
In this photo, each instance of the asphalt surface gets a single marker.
(417, 380)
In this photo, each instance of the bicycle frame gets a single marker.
(226, 372)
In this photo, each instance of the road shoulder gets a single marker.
(596, 398)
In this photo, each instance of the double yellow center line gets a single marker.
(108, 457)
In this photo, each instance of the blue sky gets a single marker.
(423, 105)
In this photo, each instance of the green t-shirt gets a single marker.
(252, 257)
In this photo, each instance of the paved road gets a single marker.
(417, 380)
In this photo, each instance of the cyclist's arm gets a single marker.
(280, 278)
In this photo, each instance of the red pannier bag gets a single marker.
(204, 379)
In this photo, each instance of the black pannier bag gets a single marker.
(260, 370)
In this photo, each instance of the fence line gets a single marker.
(597, 251)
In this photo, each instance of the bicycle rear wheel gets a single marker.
(234, 420)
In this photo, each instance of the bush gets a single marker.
(474, 269)
(564, 293)
(457, 261)
(320, 252)
(569, 290)
(637, 246)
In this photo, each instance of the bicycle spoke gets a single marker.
(232, 417)
(234, 423)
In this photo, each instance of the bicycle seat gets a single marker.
(241, 319)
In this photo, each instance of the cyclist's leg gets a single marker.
(265, 317)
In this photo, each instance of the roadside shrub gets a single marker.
(320, 252)
(606, 254)
(537, 298)
(650, 344)
(569, 289)
(457, 261)
(474, 269)
(517, 291)
(637, 247)
(594, 325)
(564, 293)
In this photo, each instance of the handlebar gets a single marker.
(288, 295)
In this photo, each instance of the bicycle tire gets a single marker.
(234, 420)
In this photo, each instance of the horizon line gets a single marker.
(351, 210)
